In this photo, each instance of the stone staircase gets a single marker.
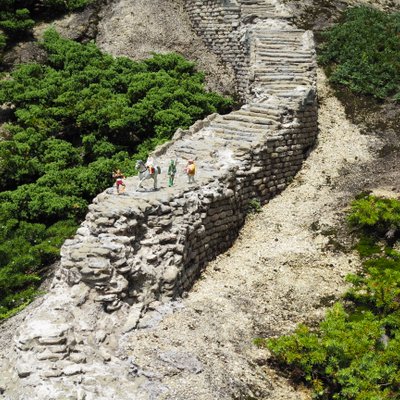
(262, 9)
(144, 248)
(281, 65)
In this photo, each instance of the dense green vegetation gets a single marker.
(17, 17)
(363, 52)
(355, 351)
(76, 119)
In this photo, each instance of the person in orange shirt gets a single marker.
(190, 171)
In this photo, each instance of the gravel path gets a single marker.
(284, 269)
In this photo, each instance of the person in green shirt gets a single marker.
(171, 172)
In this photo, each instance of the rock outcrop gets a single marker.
(138, 251)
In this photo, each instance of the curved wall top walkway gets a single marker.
(137, 250)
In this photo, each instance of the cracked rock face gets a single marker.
(136, 252)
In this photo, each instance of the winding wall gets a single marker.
(136, 250)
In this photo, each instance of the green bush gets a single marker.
(17, 20)
(375, 216)
(363, 52)
(355, 351)
(76, 119)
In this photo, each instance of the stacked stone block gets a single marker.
(218, 23)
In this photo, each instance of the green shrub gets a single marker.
(3, 41)
(375, 215)
(363, 52)
(76, 119)
(16, 18)
(254, 206)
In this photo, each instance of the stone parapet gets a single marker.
(219, 24)
(147, 246)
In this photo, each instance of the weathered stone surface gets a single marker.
(182, 361)
(133, 317)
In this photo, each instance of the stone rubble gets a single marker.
(140, 250)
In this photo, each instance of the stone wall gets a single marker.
(141, 249)
(151, 246)
(218, 22)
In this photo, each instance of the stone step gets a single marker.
(234, 143)
(252, 2)
(284, 55)
(279, 52)
(245, 117)
(296, 74)
(237, 132)
(258, 10)
(254, 111)
(273, 61)
(282, 69)
(269, 38)
(261, 30)
(262, 14)
(269, 45)
(284, 47)
(198, 147)
(289, 68)
(274, 46)
(233, 136)
(289, 83)
(239, 127)
(259, 7)
(276, 77)
(283, 88)
(275, 117)
(294, 41)
(286, 94)
(271, 109)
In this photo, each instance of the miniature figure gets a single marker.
(150, 165)
(147, 172)
(119, 176)
(171, 172)
(190, 171)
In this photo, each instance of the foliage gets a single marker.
(17, 18)
(375, 215)
(254, 206)
(76, 119)
(363, 52)
(26, 248)
(355, 351)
